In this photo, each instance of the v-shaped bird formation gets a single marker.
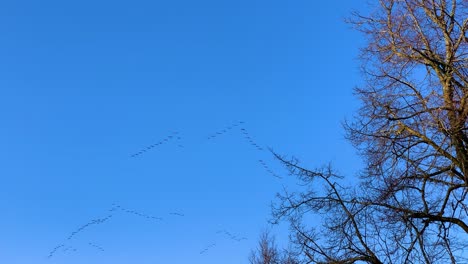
(98, 221)
(174, 137)
(239, 126)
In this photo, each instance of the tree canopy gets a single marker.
(411, 130)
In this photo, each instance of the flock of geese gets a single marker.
(168, 138)
(64, 247)
(173, 137)
(246, 135)
(231, 236)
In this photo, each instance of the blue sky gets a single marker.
(87, 84)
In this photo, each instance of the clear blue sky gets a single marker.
(86, 84)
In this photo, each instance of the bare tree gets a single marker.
(409, 206)
(267, 252)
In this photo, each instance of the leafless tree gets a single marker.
(409, 206)
(267, 252)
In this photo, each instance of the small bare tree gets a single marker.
(409, 206)
(267, 252)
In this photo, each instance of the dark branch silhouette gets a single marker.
(411, 131)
